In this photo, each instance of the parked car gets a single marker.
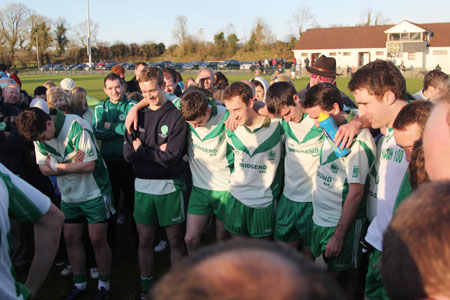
(249, 65)
(212, 65)
(178, 66)
(165, 64)
(230, 64)
(47, 67)
(192, 65)
(59, 68)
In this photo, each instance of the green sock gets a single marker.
(146, 283)
(80, 281)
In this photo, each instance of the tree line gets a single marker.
(26, 36)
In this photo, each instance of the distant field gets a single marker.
(94, 83)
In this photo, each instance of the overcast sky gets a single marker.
(140, 21)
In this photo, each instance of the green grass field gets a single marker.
(94, 83)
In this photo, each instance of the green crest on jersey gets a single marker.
(164, 130)
(272, 155)
(355, 172)
(334, 168)
(89, 152)
(122, 117)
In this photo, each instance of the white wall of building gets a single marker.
(350, 57)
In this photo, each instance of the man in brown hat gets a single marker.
(324, 70)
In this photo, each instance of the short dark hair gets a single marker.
(238, 89)
(193, 105)
(113, 77)
(278, 95)
(416, 248)
(32, 122)
(3, 68)
(138, 64)
(171, 72)
(40, 90)
(416, 112)
(285, 274)
(433, 78)
(324, 95)
(377, 78)
(151, 73)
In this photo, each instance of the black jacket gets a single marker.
(157, 127)
(11, 143)
(132, 86)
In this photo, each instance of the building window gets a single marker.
(346, 54)
(332, 54)
(379, 53)
(439, 52)
(404, 36)
(415, 36)
(304, 54)
(411, 56)
(394, 37)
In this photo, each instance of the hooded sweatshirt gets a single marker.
(157, 127)
(265, 85)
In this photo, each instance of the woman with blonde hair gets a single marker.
(78, 101)
(56, 96)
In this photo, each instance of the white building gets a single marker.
(417, 46)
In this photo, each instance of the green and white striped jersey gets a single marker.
(26, 204)
(74, 134)
(257, 177)
(335, 174)
(389, 185)
(303, 143)
(210, 156)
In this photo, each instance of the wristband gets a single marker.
(53, 164)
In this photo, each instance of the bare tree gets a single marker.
(12, 22)
(301, 19)
(372, 17)
(80, 33)
(179, 31)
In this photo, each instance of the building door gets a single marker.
(363, 58)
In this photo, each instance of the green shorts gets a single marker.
(204, 202)
(350, 255)
(164, 210)
(245, 220)
(293, 221)
(96, 210)
(374, 288)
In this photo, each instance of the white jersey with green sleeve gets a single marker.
(257, 176)
(210, 156)
(303, 143)
(75, 134)
(389, 185)
(335, 174)
(26, 204)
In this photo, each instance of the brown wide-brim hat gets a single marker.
(324, 66)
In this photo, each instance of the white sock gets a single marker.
(81, 286)
(103, 284)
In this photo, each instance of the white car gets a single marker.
(249, 65)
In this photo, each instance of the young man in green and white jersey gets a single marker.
(65, 146)
(209, 161)
(257, 177)
(338, 197)
(109, 126)
(293, 223)
(380, 90)
(25, 203)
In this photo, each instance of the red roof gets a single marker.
(364, 37)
